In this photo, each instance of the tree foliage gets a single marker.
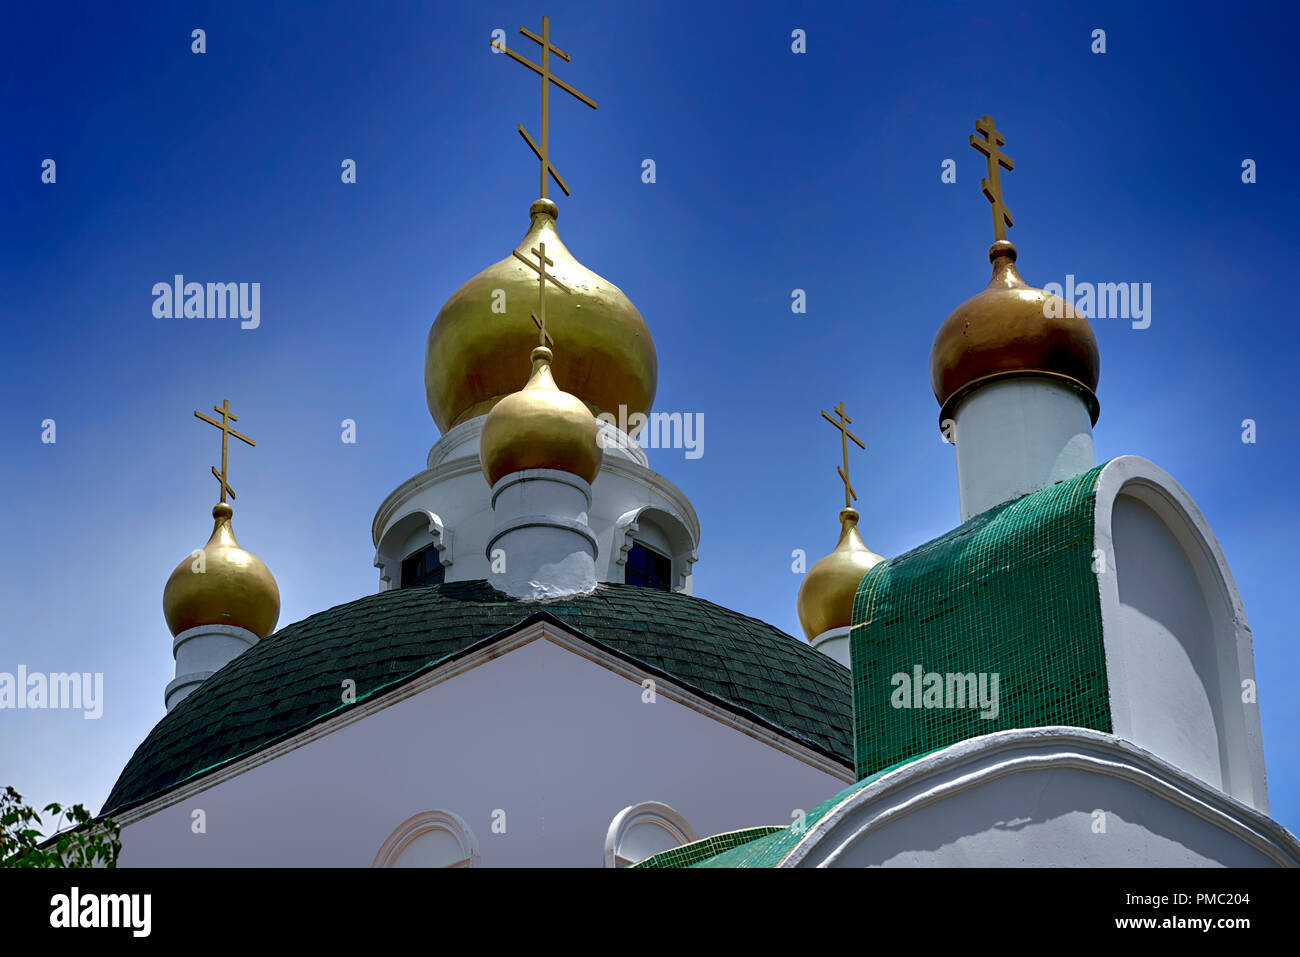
(84, 841)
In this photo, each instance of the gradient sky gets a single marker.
(775, 171)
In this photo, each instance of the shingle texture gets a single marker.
(294, 678)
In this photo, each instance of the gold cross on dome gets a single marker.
(997, 161)
(226, 431)
(544, 71)
(845, 435)
(539, 267)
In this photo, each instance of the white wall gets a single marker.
(1043, 797)
(558, 741)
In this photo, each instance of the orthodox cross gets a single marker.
(539, 317)
(226, 431)
(544, 71)
(997, 161)
(843, 425)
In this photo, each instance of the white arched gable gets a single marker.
(1042, 797)
(643, 830)
(1178, 645)
(414, 530)
(662, 530)
(430, 839)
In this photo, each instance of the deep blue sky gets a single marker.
(775, 171)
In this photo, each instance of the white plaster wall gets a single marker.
(453, 488)
(560, 743)
(1170, 642)
(1178, 644)
(1044, 797)
(1015, 436)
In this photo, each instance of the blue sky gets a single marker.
(775, 171)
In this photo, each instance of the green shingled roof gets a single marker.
(1011, 594)
(292, 679)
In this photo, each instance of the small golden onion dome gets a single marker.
(230, 586)
(1012, 329)
(474, 355)
(826, 595)
(540, 427)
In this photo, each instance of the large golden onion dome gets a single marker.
(540, 427)
(230, 587)
(474, 356)
(1012, 329)
(827, 593)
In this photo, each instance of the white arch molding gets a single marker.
(681, 545)
(430, 839)
(642, 830)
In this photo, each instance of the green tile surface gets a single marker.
(689, 854)
(1010, 592)
(293, 678)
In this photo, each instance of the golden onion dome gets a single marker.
(229, 587)
(1012, 329)
(540, 427)
(475, 352)
(827, 593)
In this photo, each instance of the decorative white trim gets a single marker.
(424, 823)
(545, 630)
(647, 812)
(978, 761)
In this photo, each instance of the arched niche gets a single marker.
(1179, 656)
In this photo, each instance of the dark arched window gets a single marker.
(422, 568)
(648, 569)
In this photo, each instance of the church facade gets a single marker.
(1064, 678)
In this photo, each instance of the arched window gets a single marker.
(643, 830)
(423, 568)
(430, 839)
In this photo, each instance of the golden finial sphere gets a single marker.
(827, 593)
(540, 427)
(474, 356)
(225, 585)
(1012, 329)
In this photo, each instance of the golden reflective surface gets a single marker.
(234, 588)
(540, 427)
(1007, 330)
(474, 357)
(826, 595)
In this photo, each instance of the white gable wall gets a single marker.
(545, 732)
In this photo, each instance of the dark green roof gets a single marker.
(293, 679)
(1009, 593)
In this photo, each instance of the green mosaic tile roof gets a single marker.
(689, 854)
(293, 678)
(1011, 592)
